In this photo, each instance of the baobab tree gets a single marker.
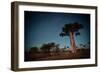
(69, 30)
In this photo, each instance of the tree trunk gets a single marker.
(72, 42)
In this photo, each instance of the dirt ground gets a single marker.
(80, 54)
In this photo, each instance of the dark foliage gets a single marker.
(34, 50)
(73, 27)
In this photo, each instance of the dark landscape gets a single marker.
(56, 36)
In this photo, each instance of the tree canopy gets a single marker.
(72, 27)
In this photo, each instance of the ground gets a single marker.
(80, 54)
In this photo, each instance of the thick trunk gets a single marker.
(72, 42)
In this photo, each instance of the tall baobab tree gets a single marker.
(69, 30)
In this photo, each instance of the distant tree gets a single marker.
(34, 50)
(64, 49)
(88, 44)
(76, 46)
(57, 49)
(68, 30)
(78, 33)
(84, 46)
(47, 47)
(81, 45)
(67, 46)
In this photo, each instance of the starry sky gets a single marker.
(45, 27)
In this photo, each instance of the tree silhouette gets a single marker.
(81, 45)
(77, 33)
(67, 46)
(84, 46)
(57, 49)
(68, 30)
(34, 50)
(47, 47)
(88, 44)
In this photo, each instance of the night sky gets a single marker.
(45, 27)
